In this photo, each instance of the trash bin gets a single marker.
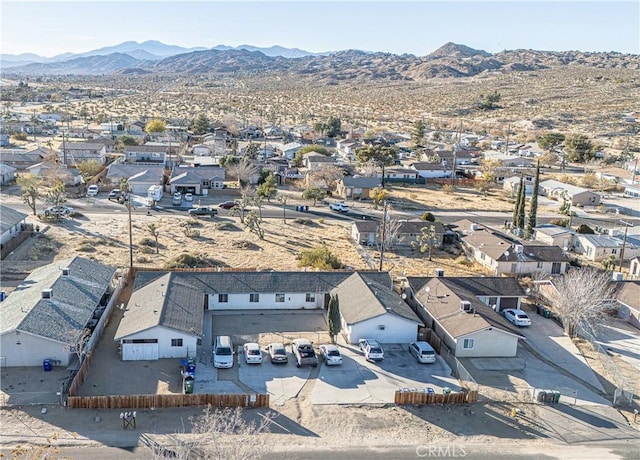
(47, 365)
(446, 390)
(542, 396)
(556, 397)
(188, 385)
(306, 208)
(430, 391)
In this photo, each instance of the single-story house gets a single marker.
(461, 313)
(501, 254)
(7, 174)
(397, 174)
(554, 235)
(357, 187)
(21, 159)
(289, 150)
(577, 195)
(601, 247)
(47, 316)
(140, 177)
(432, 170)
(51, 172)
(197, 180)
(369, 310)
(512, 186)
(72, 153)
(165, 315)
(201, 150)
(146, 154)
(314, 160)
(12, 222)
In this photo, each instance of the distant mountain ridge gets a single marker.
(450, 60)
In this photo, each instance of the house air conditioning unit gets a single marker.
(439, 272)
(465, 305)
(518, 248)
(47, 293)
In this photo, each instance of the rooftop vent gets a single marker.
(465, 305)
(66, 271)
(518, 248)
(47, 293)
(439, 272)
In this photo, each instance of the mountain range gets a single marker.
(450, 60)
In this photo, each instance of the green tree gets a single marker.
(377, 154)
(426, 241)
(418, 132)
(228, 160)
(56, 195)
(251, 152)
(334, 126)
(201, 124)
(319, 257)
(579, 148)
(333, 318)
(377, 195)
(428, 217)
(90, 168)
(533, 205)
(515, 220)
(267, 189)
(155, 126)
(153, 230)
(585, 230)
(490, 101)
(550, 141)
(313, 193)
(124, 141)
(30, 185)
(254, 223)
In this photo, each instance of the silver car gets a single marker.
(277, 353)
(331, 355)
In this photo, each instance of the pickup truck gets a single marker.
(304, 353)
(203, 211)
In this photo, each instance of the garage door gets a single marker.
(139, 351)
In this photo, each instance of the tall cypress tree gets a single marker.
(533, 210)
(333, 318)
(521, 206)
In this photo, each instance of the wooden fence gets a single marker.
(422, 397)
(167, 400)
(8, 246)
(79, 378)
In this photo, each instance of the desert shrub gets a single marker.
(321, 220)
(585, 230)
(427, 216)
(448, 189)
(186, 260)
(305, 221)
(319, 257)
(560, 222)
(142, 260)
(244, 244)
(148, 242)
(86, 247)
(147, 250)
(227, 227)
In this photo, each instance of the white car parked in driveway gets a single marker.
(252, 353)
(371, 349)
(331, 354)
(517, 317)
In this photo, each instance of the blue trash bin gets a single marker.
(47, 365)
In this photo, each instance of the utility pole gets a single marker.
(624, 241)
(383, 234)
(130, 230)
(506, 147)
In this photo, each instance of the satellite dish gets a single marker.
(427, 289)
(506, 253)
(404, 296)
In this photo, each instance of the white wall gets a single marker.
(488, 343)
(396, 330)
(267, 300)
(31, 351)
(527, 267)
(164, 336)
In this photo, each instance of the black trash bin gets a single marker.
(47, 365)
(306, 208)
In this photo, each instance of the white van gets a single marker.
(223, 352)
(423, 352)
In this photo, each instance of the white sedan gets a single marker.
(252, 353)
(331, 355)
(517, 317)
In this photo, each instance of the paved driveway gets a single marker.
(358, 381)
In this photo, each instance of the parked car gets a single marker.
(252, 353)
(304, 353)
(423, 352)
(114, 194)
(228, 205)
(188, 196)
(58, 210)
(517, 317)
(277, 353)
(342, 207)
(177, 199)
(371, 349)
(330, 354)
(93, 190)
(203, 211)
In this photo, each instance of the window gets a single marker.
(467, 344)
(279, 297)
(176, 342)
(614, 251)
(539, 265)
(223, 298)
(493, 301)
(311, 297)
(254, 297)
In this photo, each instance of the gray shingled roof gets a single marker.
(174, 299)
(363, 182)
(193, 175)
(71, 306)
(477, 286)
(9, 217)
(129, 170)
(361, 299)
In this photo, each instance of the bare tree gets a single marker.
(242, 205)
(329, 175)
(77, 341)
(426, 241)
(392, 226)
(254, 223)
(30, 184)
(582, 297)
(243, 171)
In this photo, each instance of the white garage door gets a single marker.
(139, 351)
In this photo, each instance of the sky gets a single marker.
(415, 27)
